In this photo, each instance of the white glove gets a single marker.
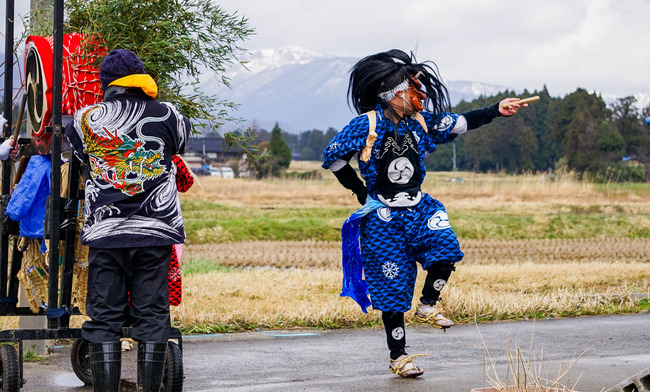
(3, 121)
(5, 148)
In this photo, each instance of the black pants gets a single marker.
(114, 275)
(437, 277)
(395, 333)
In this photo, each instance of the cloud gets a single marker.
(565, 44)
(598, 45)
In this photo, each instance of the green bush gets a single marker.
(620, 172)
(309, 175)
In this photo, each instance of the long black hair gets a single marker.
(381, 72)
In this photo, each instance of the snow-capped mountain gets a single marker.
(263, 59)
(468, 91)
(303, 90)
(642, 99)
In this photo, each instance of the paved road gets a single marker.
(613, 349)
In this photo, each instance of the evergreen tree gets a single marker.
(626, 120)
(579, 131)
(576, 126)
(610, 143)
(505, 144)
(279, 149)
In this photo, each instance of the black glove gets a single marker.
(362, 196)
(350, 180)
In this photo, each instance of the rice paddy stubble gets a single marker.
(562, 248)
(249, 298)
(258, 283)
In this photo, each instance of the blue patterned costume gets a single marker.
(394, 239)
(403, 117)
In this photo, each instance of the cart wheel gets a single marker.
(80, 359)
(10, 369)
(173, 377)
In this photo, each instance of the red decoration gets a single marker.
(175, 280)
(80, 81)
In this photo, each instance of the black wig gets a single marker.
(382, 71)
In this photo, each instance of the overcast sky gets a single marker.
(601, 45)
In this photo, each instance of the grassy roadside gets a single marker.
(269, 298)
(480, 207)
(272, 284)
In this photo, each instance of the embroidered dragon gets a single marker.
(120, 160)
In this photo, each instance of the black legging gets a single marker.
(395, 333)
(437, 277)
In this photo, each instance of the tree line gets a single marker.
(578, 133)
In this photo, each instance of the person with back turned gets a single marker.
(132, 217)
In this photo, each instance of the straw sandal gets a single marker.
(404, 366)
(433, 318)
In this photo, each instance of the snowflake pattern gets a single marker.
(390, 270)
(334, 146)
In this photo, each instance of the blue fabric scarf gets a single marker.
(353, 284)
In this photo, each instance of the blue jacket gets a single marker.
(29, 198)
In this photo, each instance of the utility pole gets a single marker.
(454, 159)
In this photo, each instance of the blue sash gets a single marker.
(353, 284)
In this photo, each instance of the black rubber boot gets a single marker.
(151, 365)
(106, 365)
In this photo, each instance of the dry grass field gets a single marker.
(535, 247)
(266, 254)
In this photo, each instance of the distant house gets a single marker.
(211, 148)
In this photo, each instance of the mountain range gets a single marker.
(302, 90)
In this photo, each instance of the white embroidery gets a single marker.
(444, 124)
(439, 284)
(439, 221)
(384, 214)
(398, 333)
(390, 270)
(333, 146)
(400, 171)
(401, 199)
